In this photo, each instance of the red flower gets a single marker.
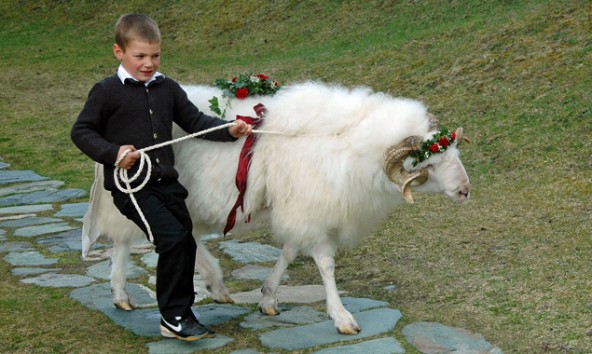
(242, 93)
(434, 148)
(443, 141)
(262, 77)
(234, 79)
(453, 136)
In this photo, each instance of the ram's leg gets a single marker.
(345, 323)
(119, 260)
(209, 269)
(268, 304)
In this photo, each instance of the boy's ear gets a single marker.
(118, 51)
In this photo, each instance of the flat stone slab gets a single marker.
(150, 259)
(32, 231)
(19, 272)
(169, 346)
(66, 247)
(214, 314)
(47, 196)
(436, 338)
(102, 270)
(74, 210)
(98, 296)
(304, 294)
(373, 322)
(289, 317)
(255, 272)
(146, 322)
(206, 238)
(59, 280)
(25, 209)
(4, 164)
(245, 351)
(359, 304)
(30, 187)
(250, 252)
(66, 241)
(29, 258)
(376, 346)
(29, 221)
(19, 176)
(16, 246)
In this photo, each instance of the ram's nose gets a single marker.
(463, 195)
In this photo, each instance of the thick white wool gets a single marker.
(322, 179)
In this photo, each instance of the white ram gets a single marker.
(320, 182)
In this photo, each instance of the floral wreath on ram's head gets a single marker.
(242, 86)
(437, 144)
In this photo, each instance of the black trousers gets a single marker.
(163, 206)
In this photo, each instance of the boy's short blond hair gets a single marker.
(136, 27)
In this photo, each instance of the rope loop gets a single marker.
(120, 174)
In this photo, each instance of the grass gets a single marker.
(513, 264)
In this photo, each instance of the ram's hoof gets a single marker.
(269, 311)
(224, 300)
(349, 330)
(123, 305)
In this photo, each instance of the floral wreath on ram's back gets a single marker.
(242, 86)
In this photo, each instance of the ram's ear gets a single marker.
(433, 122)
(460, 136)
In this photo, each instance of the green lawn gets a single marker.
(513, 264)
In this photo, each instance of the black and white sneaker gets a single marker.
(188, 329)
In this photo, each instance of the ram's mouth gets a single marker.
(459, 195)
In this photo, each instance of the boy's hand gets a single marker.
(130, 159)
(240, 129)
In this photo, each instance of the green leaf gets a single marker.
(214, 105)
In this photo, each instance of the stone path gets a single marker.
(35, 214)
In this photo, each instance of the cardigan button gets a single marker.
(155, 135)
(151, 112)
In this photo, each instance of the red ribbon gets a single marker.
(244, 163)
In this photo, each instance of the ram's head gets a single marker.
(439, 169)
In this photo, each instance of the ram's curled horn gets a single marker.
(393, 165)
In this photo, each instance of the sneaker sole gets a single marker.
(168, 334)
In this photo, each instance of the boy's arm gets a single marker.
(192, 120)
(86, 134)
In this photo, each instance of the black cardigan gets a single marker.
(134, 114)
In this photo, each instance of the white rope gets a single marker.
(120, 174)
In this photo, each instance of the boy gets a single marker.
(134, 109)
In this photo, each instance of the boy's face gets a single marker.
(140, 59)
